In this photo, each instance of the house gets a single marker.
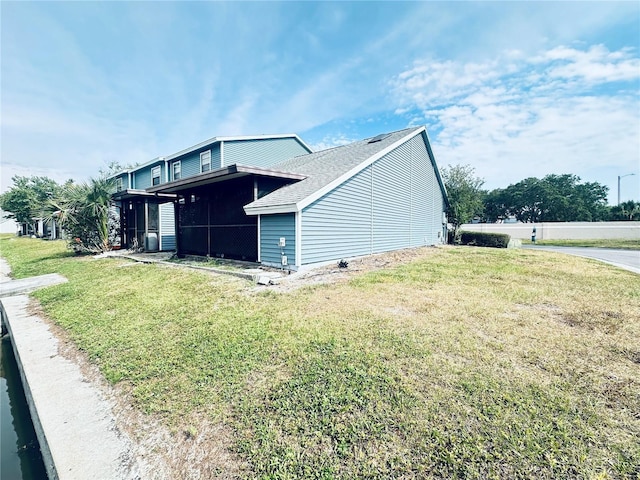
(375, 195)
(8, 224)
(147, 216)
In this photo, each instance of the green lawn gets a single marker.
(608, 243)
(464, 363)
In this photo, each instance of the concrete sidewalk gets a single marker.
(27, 285)
(74, 423)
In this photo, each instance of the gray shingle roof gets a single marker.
(324, 167)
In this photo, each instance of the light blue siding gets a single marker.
(427, 200)
(392, 200)
(272, 227)
(167, 227)
(190, 162)
(142, 178)
(339, 224)
(394, 203)
(124, 179)
(261, 153)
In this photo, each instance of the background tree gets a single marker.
(114, 167)
(555, 198)
(29, 197)
(465, 194)
(83, 211)
(629, 210)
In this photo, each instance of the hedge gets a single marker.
(479, 239)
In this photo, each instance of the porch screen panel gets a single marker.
(233, 234)
(193, 230)
(213, 222)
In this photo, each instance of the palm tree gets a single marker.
(83, 211)
(630, 209)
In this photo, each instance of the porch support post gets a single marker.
(176, 218)
(146, 223)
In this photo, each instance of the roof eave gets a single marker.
(232, 171)
(271, 209)
(443, 188)
(134, 193)
(214, 140)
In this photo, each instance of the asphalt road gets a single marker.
(627, 259)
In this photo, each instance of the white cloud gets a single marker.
(595, 65)
(10, 170)
(331, 141)
(558, 112)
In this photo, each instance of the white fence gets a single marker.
(562, 230)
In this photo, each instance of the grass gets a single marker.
(603, 243)
(464, 363)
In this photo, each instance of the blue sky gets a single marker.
(515, 89)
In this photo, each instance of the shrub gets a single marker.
(480, 239)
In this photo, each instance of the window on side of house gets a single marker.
(205, 161)
(155, 175)
(119, 184)
(177, 170)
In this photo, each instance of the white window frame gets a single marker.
(205, 159)
(179, 169)
(156, 172)
(119, 184)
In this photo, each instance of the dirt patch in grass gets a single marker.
(332, 273)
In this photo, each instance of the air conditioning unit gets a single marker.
(151, 242)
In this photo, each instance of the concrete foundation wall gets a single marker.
(562, 230)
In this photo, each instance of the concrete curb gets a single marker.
(74, 423)
(257, 277)
(27, 285)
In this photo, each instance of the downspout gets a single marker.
(371, 203)
(166, 170)
(259, 233)
(146, 223)
(255, 197)
(208, 226)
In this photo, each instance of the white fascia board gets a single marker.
(193, 148)
(267, 137)
(148, 164)
(129, 171)
(213, 140)
(289, 208)
(116, 175)
(432, 157)
(340, 180)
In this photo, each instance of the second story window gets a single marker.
(205, 161)
(177, 171)
(119, 184)
(155, 176)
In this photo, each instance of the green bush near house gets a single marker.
(480, 239)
